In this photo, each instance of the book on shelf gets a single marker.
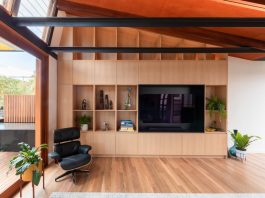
(126, 126)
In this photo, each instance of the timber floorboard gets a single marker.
(164, 175)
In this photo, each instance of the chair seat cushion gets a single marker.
(75, 161)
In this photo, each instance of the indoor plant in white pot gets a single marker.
(84, 122)
(242, 142)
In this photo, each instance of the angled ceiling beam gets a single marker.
(8, 26)
(139, 22)
(157, 50)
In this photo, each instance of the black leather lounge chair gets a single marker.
(68, 152)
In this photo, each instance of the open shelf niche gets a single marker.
(80, 93)
(122, 112)
(127, 37)
(148, 39)
(84, 37)
(220, 91)
(106, 37)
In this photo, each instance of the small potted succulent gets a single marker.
(28, 163)
(242, 142)
(84, 122)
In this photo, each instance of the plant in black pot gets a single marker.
(84, 122)
(28, 163)
(242, 142)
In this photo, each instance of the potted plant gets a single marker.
(216, 105)
(242, 142)
(84, 121)
(28, 163)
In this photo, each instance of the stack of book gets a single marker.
(127, 126)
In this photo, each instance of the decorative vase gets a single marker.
(128, 101)
(241, 154)
(27, 175)
(232, 150)
(84, 127)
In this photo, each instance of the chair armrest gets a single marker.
(55, 156)
(84, 149)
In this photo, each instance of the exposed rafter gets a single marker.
(139, 22)
(24, 32)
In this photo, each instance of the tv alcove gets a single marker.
(82, 76)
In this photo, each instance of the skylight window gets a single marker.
(36, 8)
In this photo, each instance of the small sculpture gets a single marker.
(101, 99)
(128, 101)
(84, 104)
(106, 102)
(110, 104)
(105, 126)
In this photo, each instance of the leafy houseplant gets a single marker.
(242, 142)
(216, 104)
(28, 162)
(84, 121)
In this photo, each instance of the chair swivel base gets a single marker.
(73, 172)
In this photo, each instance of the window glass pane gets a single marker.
(36, 8)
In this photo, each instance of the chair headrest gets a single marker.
(66, 134)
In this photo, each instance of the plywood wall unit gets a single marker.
(84, 37)
(106, 37)
(82, 76)
(149, 72)
(83, 72)
(128, 37)
(127, 72)
(65, 106)
(148, 39)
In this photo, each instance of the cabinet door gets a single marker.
(216, 144)
(86, 138)
(127, 72)
(126, 143)
(181, 72)
(83, 72)
(105, 72)
(65, 106)
(149, 144)
(104, 143)
(170, 144)
(149, 72)
(193, 144)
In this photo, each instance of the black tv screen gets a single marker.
(171, 108)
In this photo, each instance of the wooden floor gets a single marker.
(6, 180)
(162, 175)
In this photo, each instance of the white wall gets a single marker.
(246, 99)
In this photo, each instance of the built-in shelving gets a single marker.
(131, 37)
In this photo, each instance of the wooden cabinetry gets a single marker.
(83, 72)
(104, 143)
(83, 75)
(193, 144)
(127, 72)
(105, 72)
(149, 72)
(126, 143)
(215, 144)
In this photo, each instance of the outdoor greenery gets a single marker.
(10, 86)
(243, 141)
(26, 157)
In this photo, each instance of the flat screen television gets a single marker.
(171, 108)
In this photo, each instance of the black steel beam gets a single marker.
(25, 32)
(156, 50)
(140, 22)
